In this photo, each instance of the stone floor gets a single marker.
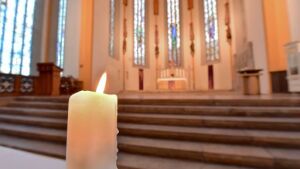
(14, 159)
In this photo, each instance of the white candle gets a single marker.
(92, 130)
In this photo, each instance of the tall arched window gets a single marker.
(60, 45)
(173, 19)
(139, 32)
(112, 27)
(16, 22)
(211, 31)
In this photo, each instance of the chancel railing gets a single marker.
(70, 85)
(49, 82)
(14, 85)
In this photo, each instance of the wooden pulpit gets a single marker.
(49, 79)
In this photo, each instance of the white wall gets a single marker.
(101, 60)
(294, 19)
(223, 70)
(256, 34)
(72, 39)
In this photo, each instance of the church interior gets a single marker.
(149, 84)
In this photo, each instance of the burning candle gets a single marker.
(92, 129)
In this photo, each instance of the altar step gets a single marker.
(153, 162)
(221, 101)
(215, 101)
(34, 112)
(195, 152)
(245, 111)
(53, 130)
(213, 135)
(55, 109)
(288, 124)
(32, 145)
(41, 105)
(38, 117)
(169, 135)
(248, 156)
(201, 109)
(34, 121)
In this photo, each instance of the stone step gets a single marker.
(213, 110)
(34, 133)
(41, 105)
(133, 161)
(56, 99)
(58, 114)
(125, 160)
(34, 146)
(263, 123)
(245, 101)
(247, 156)
(206, 101)
(231, 136)
(214, 135)
(34, 121)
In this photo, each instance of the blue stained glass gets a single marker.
(60, 46)
(173, 9)
(139, 32)
(16, 23)
(211, 30)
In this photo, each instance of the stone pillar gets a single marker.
(39, 36)
(44, 33)
(256, 34)
(72, 38)
(52, 30)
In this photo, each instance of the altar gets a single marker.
(174, 79)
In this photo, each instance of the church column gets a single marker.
(52, 30)
(39, 35)
(239, 38)
(44, 36)
(294, 16)
(79, 40)
(86, 43)
(72, 39)
(255, 30)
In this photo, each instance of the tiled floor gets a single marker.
(14, 159)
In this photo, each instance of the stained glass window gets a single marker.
(60, 45)
(211, 30)
(16, 23)
(139, 32)
(112, 27)
(173, 14)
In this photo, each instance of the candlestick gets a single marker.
(92, 130)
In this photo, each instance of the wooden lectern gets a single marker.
(49, 79)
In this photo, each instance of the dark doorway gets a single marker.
(279, 82)
(141, 79)
(211, 77)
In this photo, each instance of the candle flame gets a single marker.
(102, 83)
